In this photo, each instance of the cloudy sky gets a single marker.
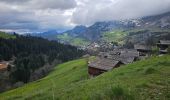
(41, 15)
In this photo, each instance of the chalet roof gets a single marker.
(141, 47)
(115, 52)
(127, 59)
(114, 57)
(109, 54)
(124, 59)
(165, 42)
(3, 65)
(129, 53)
(104, 64)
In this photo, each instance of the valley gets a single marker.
(84, 50)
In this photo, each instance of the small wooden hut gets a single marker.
(101, 65)
(163, 46)
(143, 49)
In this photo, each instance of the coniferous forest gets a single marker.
(30, 53)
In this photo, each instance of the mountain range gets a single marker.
(108, 30)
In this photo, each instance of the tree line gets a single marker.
(31, 53)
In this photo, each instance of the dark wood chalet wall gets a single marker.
(94, 71)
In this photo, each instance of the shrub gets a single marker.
(150, 71)
(155, 51)
(118, 93)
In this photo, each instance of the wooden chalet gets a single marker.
(3, 66)
(108, 60)
(163, 46)
(126, 56)
(101, 65)
(143, 49)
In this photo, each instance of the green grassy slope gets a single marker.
(114, 36)
(6, 36)
(76, 41)
(143, 80)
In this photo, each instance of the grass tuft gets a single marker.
(149, 71)
(118, 93)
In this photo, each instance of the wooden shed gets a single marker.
(101, 65)
(163, 46)
(143, 50)
(3, 66)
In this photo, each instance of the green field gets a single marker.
(76, 41)
(114, 36)
(7, 36)
(143, 80)
(152, 30)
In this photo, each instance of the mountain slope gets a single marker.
(114, 36)
(89, 34)
(161, 21)
(51, 35)
(69, 39)
(148, 79)
(96, 32)
(7, 36)
(93, 32)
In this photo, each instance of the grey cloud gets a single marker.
(32, 15)
(14, 1)
(99, 10)
(14, 17)
(17, 25)
(43, 4)
(54, 4)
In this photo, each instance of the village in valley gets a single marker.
(84, 49)
(110, 57)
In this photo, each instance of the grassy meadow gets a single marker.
(143, 80)
(7, 36)
(114, 36)
(76, 41)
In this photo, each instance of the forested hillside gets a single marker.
(31, 53)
